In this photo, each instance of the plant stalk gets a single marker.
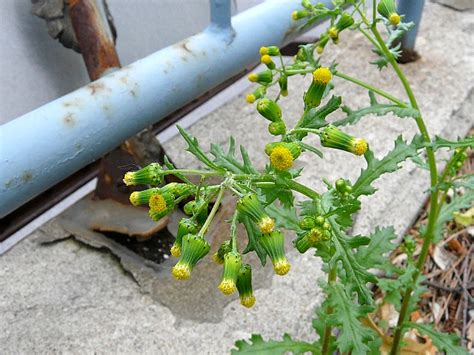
(432, 216)
(328, 329)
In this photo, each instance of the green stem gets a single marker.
(233, 231)
(432, 216)
(328, 329)
(193, 172)
(213, 212)
(371, 88)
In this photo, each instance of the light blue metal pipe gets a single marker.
(39, 149)
(412, 9)
(220, 14)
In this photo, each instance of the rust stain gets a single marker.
(96, 87)
(27, 176)
(184, 45)
(74, 103)
(124, 80)
(69, 120)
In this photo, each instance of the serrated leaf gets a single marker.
(447, 342)
(389, 163)
(440, 142)
(354, 275)
(193, 148)
(447, 212)
(253, 233)
(284, 217)
(346, 314)
(316, 117)
(395, 288)
(229, 161)
(354, 116)
(374, 254)
(170, 166)
(256, 345)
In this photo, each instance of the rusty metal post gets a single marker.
(94, 35)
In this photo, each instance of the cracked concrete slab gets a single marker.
(68, 297)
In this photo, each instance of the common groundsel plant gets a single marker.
(322, 220)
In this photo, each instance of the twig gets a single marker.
(465, 298)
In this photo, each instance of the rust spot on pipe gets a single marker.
(27, 176)
(69, 120)
(96, 87)
(94, 37)
(73, 103)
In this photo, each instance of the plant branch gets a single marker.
(328, 329)
(434, 194)
(371, 88)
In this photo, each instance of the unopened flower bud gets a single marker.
(244, 286)
(320, 220)
(307, 223)
(388, 10)
(269, 109)
(268, 61)
(232, 264)
(150, 175)
(274, 245)
(250, 206)
(311, 238)
(322, 43)
(185, 226)
(222, 251)
(283, 83)
(306, 4)
(257, 94)
(345, 21)
(142, 197)
(263, 77)
(333, 137)
(277, 128)
(297, 15)
(321, 77)
(271, 50)
(194, 249)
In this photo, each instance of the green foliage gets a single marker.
(193, 148)
(229, 161)
(253, 234)
(440, 142)
(323, 221)
(447, 342)
(346, 314)
(374, 255)
(447, 211)
(390, 163)
(256, 345)
(375, 108)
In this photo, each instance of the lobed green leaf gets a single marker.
(256, 345)
(389, 163)
(447, 342)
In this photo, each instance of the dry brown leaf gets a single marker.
(443, 258)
